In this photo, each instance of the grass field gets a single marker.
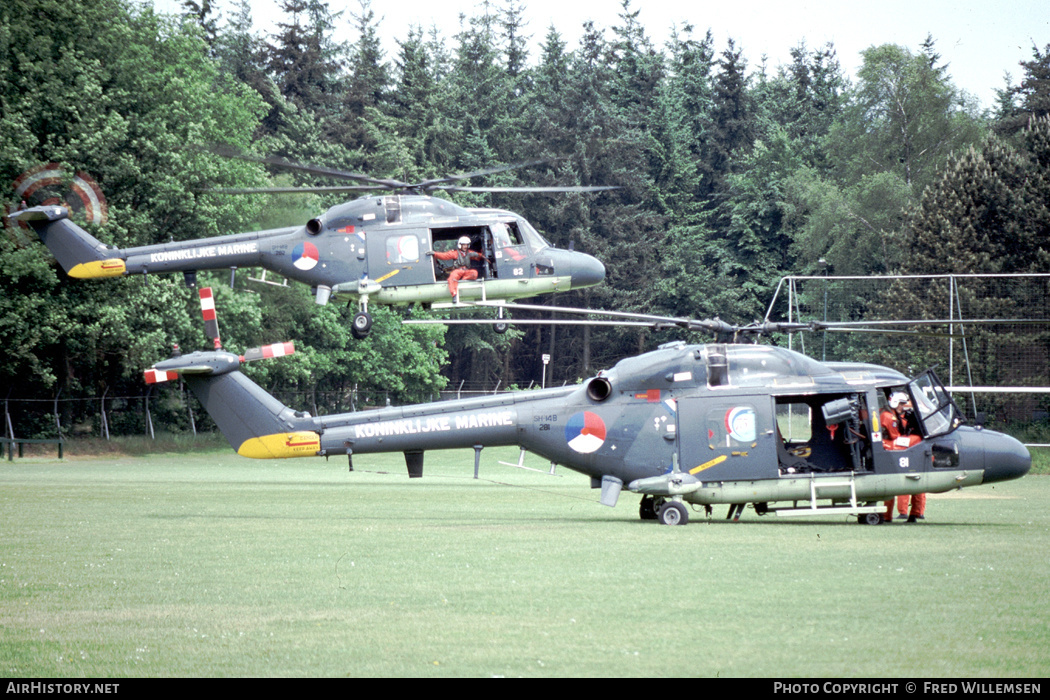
(207, 564)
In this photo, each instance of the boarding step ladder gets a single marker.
(472, 284)
(825, 484)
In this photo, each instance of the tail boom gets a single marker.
(256, 424)
(79, 253)
(259, 426)
(83, 256)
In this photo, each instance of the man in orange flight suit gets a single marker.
(461, 269)
(898, 436)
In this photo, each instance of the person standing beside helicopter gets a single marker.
(461, 267)
(897, 428)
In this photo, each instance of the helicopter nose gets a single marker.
(1005, 458)
(587, 271)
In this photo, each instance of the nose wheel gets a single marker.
(500, 327)
(362, 322)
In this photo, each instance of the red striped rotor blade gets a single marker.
(211, 321)
(156, 376)
(267, 351)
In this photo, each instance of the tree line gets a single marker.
(731, 173)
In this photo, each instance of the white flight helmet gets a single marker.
(463, 240)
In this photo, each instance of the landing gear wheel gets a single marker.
(869, 518)
(672, 513)
(500, 328)
(647, 508)
(361, 325)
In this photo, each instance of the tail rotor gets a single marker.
(211, 362)
(256, 424)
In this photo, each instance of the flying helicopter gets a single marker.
(377, 248)
(721, 423)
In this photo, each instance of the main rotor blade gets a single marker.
(290, 190)
(331, 172)
(368, 182)
(887, 327)
(429, 184)
(577, 188)
(713, 325)
(716, 325)
(335, 189)
(312, 169)
(822, 325)
(525, 322)
(885, 331)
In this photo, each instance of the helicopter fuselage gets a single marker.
(370, 248)
(707, 424)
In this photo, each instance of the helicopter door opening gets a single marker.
(480, 242)
(822, 433)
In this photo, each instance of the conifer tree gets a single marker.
(204, 14)
(303, 59)
(364, 89)
(989, 212)
(1031, 98)
(731, 129)
(413, 99)
(240, 52)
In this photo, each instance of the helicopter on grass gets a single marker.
(721, 423)
(376, 249)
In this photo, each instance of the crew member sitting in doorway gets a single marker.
(897, 424)
(461, 268)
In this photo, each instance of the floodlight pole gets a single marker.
(824, 336)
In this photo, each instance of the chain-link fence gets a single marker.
(171, 408)
(1006, 357)
(997, 363)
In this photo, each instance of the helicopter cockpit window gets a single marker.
(757, 365)
(506, 234)
(507, 241)
(533, 239)
(945, 455)
(936, 410)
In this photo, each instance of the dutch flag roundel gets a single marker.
(305, 255)
(585, 432)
